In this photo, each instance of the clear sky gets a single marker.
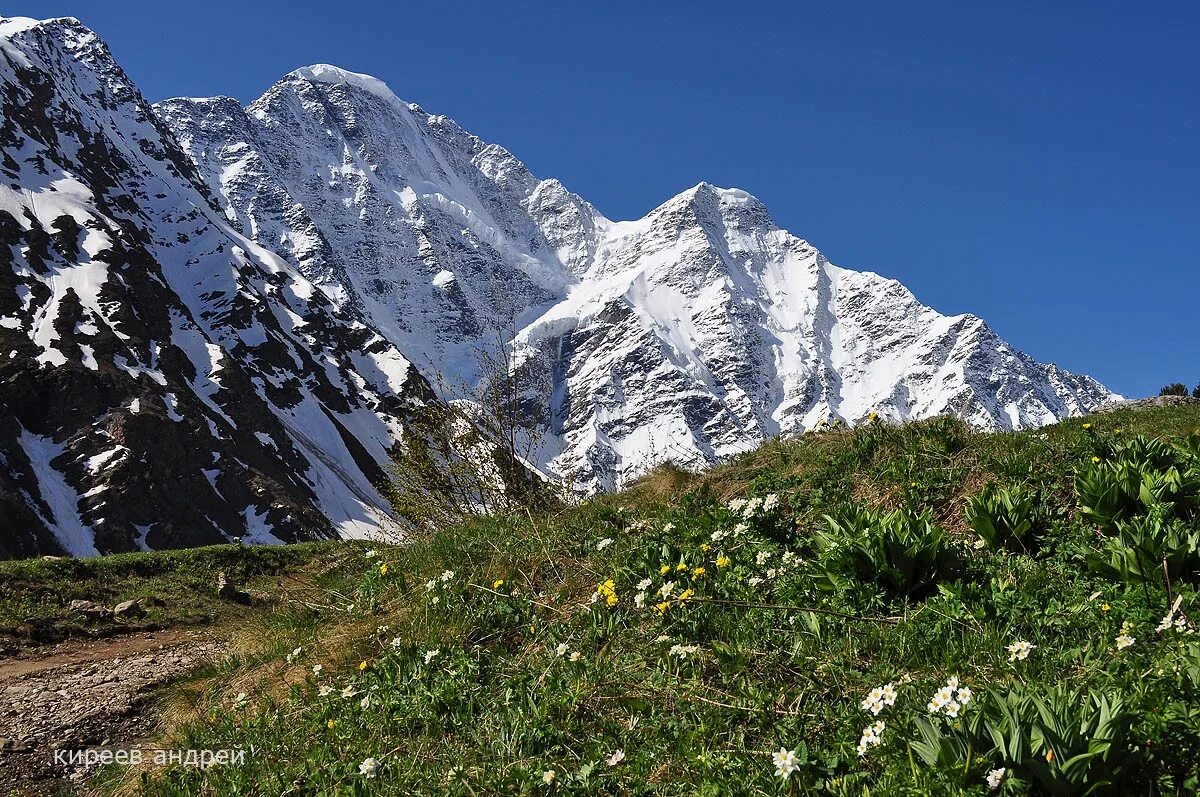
(1034, 163)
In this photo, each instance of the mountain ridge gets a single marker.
(382, 249)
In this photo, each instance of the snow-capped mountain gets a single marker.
(164, 381)
(215, 320)
(690, 334)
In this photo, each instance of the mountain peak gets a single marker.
(327, 73)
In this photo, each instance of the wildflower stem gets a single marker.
(786, 608)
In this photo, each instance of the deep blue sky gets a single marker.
(1035, 163)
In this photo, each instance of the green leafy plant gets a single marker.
(1060, 741)
(1007, 517)
(902, 552)
(1109, 492)
(1145, 546)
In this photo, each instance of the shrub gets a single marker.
(902, 552)
(1011, 518)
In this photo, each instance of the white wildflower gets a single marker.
(995, 777)
(639, 600)
(754, 581)
(368, 768)
(430, 655)
(761, 558)
(365, 703)
(562, 649)
(604, 543)
(325, 691)
(398, 642)
(447, 575)
(617, 757)
(873, 702)
(871, 737)
(785, 762)
(1019, 650)
(665, 589)
(548, 776)
(1124, 641)
(295, 654)
(667, 529)
(1179, 623)
(317, 670)
(348, 692)
(645, 584)
(770, 502)
(683, 651)
(576, 655)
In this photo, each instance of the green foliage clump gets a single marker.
(903, 552)
(1012, 518)
(1056, 741)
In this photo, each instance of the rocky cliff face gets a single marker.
(690, 334)
(214, 320)
(164, 381)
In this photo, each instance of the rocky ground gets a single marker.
(85, 694)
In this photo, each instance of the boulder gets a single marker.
(129, 609)
(90, 610)
(229, 591)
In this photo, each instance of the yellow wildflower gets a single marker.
(362, 665)
(1096, 460)
(498, 583)
(1049, 755)
(661, 608)
(1087, 426)
(330, 724)
(664, 569)
(608, 591)
(687, 593)
(383, 570)
(1116, 431)
(699, 571)
(723, 561)
(1104, 607)
(681, 567)
(704, 546)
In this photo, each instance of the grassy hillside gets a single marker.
(176, 588)
(894, 611)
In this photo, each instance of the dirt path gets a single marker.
(79, 695)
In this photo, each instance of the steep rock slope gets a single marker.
(164, 381)
(689, 334)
